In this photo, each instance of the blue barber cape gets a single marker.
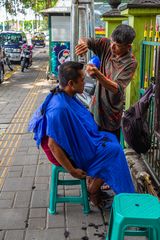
(71, 125)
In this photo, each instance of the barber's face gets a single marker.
(119, 49)
(78, 86)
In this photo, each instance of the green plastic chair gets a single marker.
(134, 215)
(54, 198)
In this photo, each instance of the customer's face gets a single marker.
(78, 86)
(119, 49)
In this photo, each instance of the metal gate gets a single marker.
(150, 73)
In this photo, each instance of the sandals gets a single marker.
(101, 199)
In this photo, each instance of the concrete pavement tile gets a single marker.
(18, 184)
(38, 213)
(41, 152)
(43, 159)
(14, 235)
(75, 216)
(68, 176)
(40, 199)
(13, 218)
(57, 220)
(6, 203)
(44, 170)
(94, 216)
(14, 174)
(25, 160)
(49, 234)
(41, 186)
(61, 175)
(27, 143)
(37, 223)
(73, 192)
(7, 195)
(42, 180)
(96, 232)
(5, 120)
(2, 235)
(28, 136)
(20, 154)
(22, 149)
(15, 168)
(60, 188)
(33, 150)
(22, 199)
(29, 171)
(72, 187)
(1, 170)
(3, 149)
(76, 233)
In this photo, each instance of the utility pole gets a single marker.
(36, 17)
(74, 28)
(82, 23)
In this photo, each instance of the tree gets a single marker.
(14, 6)
(38, 5)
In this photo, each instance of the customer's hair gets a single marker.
(69, 71)
(123, 34)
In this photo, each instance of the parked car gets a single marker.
(38, 39)
(12, 42)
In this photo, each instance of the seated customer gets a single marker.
(70, 137)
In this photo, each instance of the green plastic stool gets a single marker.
(134, 210)
(54, 199)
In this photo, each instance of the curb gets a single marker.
(9, 74)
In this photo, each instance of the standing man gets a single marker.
(117, 69)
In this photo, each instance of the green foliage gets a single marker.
(38, 5)
(14, 6)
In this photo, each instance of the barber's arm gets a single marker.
(82, 47)
(119, 85)
(106, 82)
(98, 46)
(64, 161)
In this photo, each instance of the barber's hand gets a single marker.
(81, 48)
(78, 173)
(91, 70)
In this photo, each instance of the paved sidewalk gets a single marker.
(25, 171)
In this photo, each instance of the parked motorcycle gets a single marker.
(1, 70)
(26, 57)
(8, 62)
(4, 59)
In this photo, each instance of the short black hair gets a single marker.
(69, 71)
(123, 34)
